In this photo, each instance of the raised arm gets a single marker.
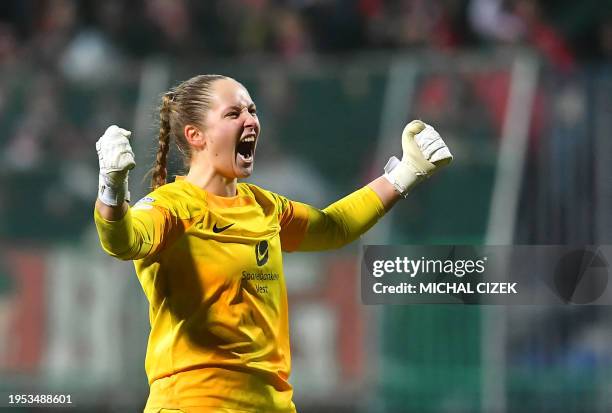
(111, 213)
(342, 222)
(424, 152)
(138, 233)
(124, 233)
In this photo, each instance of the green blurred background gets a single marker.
(521, 91)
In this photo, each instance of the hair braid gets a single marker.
(159, 170)
(185, 104)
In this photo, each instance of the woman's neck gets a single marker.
(211, 181)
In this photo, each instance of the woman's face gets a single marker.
(231, 130)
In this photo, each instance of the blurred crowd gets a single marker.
(563, 30)
(66, 67)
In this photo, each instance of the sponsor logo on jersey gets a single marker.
(261, 252)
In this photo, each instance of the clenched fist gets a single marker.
(424, 152)
(116, 158)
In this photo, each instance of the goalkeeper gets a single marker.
(208, 250)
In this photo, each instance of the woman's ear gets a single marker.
(194, 136)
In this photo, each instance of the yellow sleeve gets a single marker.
(305, 228)
(138, 234)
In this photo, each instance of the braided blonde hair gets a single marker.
(185, 104)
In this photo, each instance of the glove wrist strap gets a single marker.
(112, 194)
(402, 176)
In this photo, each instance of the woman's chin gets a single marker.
(243, 171)
(244, 174)
(243, 167)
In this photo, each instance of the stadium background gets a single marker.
(520, 89)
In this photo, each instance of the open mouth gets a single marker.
(246, 147)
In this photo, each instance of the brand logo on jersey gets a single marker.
(217, 229)
(261, 252)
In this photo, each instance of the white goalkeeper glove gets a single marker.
(116, 159)
(424, 153)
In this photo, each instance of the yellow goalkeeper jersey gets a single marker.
(211, 268)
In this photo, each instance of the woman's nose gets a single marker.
(250, 120)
